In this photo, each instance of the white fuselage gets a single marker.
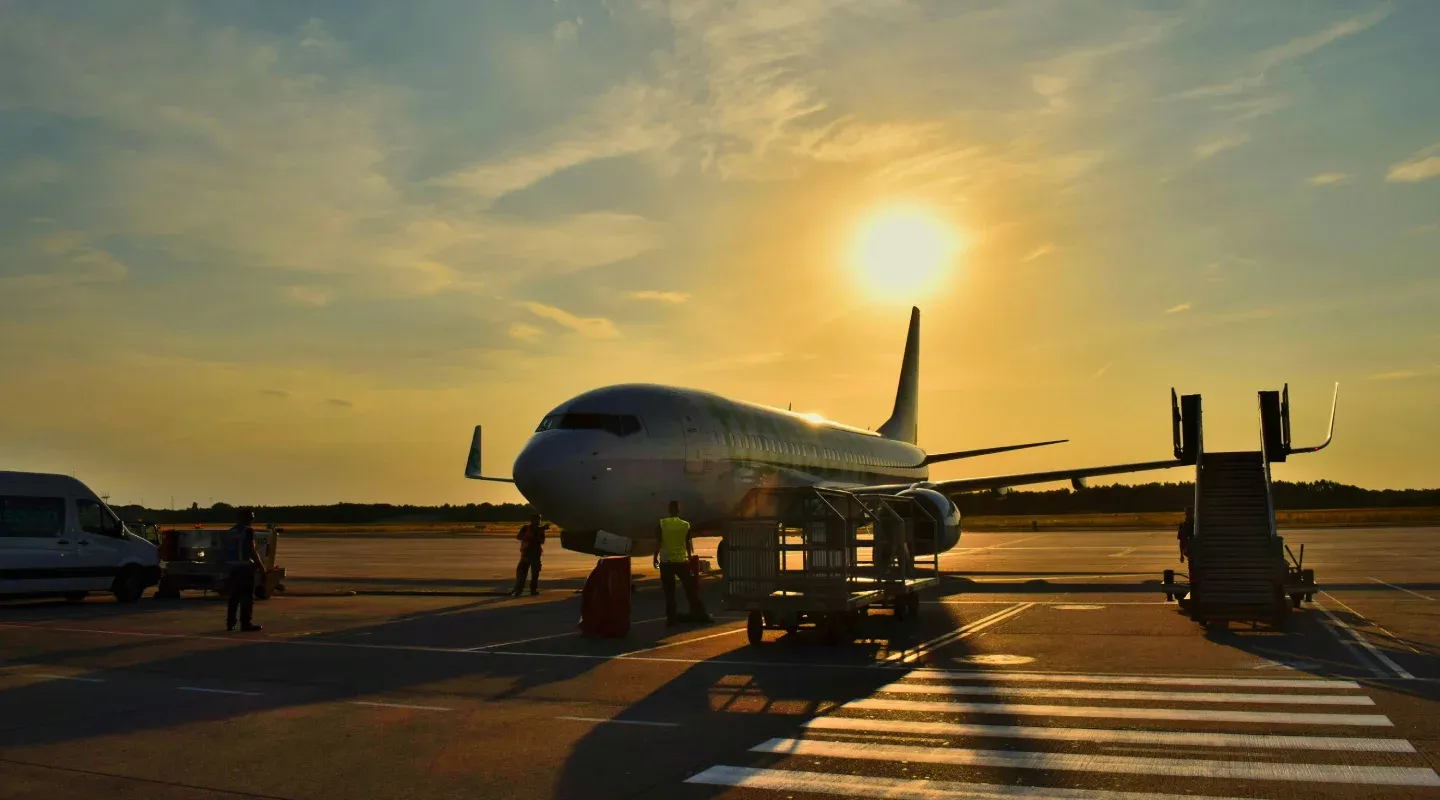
(612, 459)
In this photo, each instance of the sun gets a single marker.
(903, 250)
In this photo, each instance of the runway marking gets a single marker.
(624, 721)
(1361, 640)
(67, 677)
(542, 638)
(1242, 741)
(1127, 551)
(1077, 607)
(909, 655)
(1154, 680)
(1132, 765)
(1121, 694)
(398, 705)
(1402, 589)
(781, 780)
(730, 632)
(1111, 712)
(205, 690)
(1027, 578)
(1000, 546)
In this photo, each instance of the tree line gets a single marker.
(1117, 499)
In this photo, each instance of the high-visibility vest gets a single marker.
(673, 532)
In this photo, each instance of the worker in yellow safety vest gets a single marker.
(672, 557)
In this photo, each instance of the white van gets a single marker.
(57, 537)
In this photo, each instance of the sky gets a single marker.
(293, 252)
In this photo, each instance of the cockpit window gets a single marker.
(618, 424)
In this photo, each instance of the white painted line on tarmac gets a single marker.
(542, 638)
(205, 690)
(398, 705)
(1148, 680)
(1402, 589)
(67, 678)
(624, 721)
(1127, 551)
(799, 782)
(1359, 639)
(730, 632)
(1114, 712)
(1127, 694)
(910, 654)
(1131, 765)
(1242, 741)
(970, 551)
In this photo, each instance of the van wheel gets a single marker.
(129, 585)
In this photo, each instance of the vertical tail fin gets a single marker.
(903, 422)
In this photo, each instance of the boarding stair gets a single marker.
(1240, 568)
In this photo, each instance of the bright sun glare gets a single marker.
(903, 250)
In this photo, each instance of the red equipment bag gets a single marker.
(605, 600)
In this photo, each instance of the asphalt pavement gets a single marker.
(1045, 665)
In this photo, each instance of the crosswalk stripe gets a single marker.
(1133, 765)
(902, 789)
(1123, 694)
(1148, 680)
(1104, 712)
(1242, 741)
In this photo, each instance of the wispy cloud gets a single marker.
(64, 260)
(275, 393)
(1406, 374)
(1216, 146)
(1423, 165)
(1100, 372)
(1328, 178)
(659, 297)
(311, 296)
(1039, 252)
(589, 327)
(1178, 309)
(522, 332)
(1299, 47)
(339, 403)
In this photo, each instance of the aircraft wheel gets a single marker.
(755, 627)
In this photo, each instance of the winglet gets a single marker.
(1329, 434)
(472, 464)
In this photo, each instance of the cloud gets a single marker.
(280, 393)
(1405, 374)
(338, 403)
(1328, 178)
(1216, 146)
(1299, 47)
(522, 332)
(589, 327)
(1102, 370)
(1178, 309)
(1423, 165)
(62, 260)
(566, 31)
(1043, 250)
(312, 296)
(659, 297)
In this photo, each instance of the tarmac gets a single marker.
(1046, 665)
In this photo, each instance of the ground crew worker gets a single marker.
(1186, 532)
(532, 544)
(672, 556)
(242, 575)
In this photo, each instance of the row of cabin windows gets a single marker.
(23, 517)
(767, 445)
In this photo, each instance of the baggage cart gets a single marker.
(818, 557)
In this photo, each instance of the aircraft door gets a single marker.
(700, 447)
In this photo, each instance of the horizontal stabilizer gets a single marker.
(472, 464)
(935, 458)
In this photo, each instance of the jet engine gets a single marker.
(946, 514)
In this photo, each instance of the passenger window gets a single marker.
(94, 518)
(32, 517)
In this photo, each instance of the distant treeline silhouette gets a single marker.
(1118, 499)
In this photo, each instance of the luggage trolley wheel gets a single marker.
(755, 627)
(1168, 579)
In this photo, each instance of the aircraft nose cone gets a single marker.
(533, 472)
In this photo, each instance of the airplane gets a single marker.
(605, 464)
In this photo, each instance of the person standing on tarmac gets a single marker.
(242, 575)
(672, 557)
(532, 544)
(1186, 533)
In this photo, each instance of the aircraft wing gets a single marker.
(1003, 481)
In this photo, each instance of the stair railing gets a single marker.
(1269, 495)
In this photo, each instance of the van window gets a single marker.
(95, 519)
(32, 517)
